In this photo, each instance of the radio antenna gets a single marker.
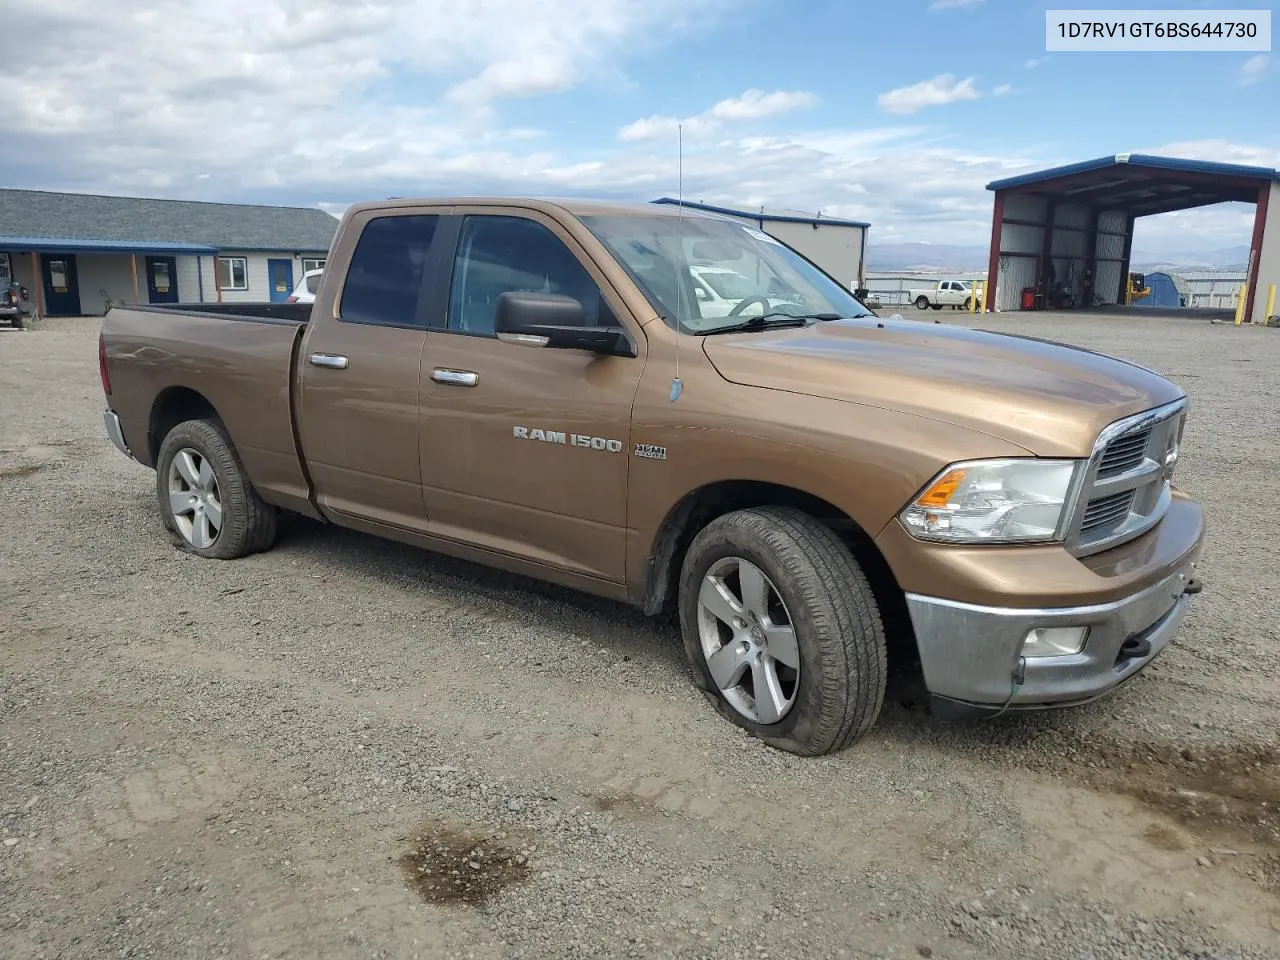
(677, 385)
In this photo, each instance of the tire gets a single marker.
(968, 305)
(246, 524)
(837, 691)
(922, 303)
(936, 306)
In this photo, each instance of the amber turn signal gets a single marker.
(940, 492)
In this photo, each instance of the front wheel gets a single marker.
(782, 630)
(206, 497)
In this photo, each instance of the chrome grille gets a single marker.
(1126, 486)
(1106, 510)
(1124, 453)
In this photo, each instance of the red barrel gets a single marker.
(1028, 298)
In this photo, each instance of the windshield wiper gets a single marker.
(760, 323)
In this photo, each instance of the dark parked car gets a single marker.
(15, 305)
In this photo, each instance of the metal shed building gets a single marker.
(1167, 290)
(836, 245)
(1075, 223)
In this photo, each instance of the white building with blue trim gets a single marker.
(76, 252)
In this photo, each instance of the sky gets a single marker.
(895, 113)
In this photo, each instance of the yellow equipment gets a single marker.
(1137, 288)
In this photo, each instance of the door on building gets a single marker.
(280, 279)
(162, 280)
(61, 287)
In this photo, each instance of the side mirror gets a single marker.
(701, 294)
(556, 322)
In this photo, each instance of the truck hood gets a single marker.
(1051, 399)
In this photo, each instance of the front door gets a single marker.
(359, 375)
(525, 450)
(61, 287)
(162, 280)
(280, 279)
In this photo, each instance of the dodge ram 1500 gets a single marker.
(534, 385)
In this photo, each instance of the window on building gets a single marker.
(385, 274)
(233, 273)
(58, 276)
(308, 265)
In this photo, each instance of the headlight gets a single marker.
(994, 501)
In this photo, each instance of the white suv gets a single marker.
(305, 291)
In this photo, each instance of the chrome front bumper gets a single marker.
(114, 433)
(972, 655)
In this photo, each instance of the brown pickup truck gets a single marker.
(537, 386)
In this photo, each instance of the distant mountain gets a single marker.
(1224, 258)
(887, 257)
(944, 257)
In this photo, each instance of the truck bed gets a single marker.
(292, 313)
(174, 362)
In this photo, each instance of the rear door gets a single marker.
(358, 406)
(525, 450)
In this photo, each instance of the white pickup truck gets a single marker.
(945, 293)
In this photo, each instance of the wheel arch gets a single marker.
(701, 506)
(172, 406)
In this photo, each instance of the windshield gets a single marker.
(727, 286)
(753, 273)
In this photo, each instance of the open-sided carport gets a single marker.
(1075, 224)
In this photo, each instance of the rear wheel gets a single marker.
(782, 631)
(205, 496)
(922, 303)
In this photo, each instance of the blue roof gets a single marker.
(85, 245)
(770, 217)
(1170, 164)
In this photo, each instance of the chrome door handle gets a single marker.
(456, 378)
(331, 360)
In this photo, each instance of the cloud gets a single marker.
(1002, 90)
(954, 4)
(749, 105)
(1035, 62)
(325, 103)
(942, 89)
(1253, 70)
(756, 104)
(661, 127)
(529, 77)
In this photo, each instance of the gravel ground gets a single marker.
(348, 748)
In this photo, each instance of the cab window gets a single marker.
(497, 254)
(385, 275)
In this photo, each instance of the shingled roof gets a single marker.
(126, 221)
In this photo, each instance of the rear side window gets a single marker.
(385, 275)
(497, 254)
